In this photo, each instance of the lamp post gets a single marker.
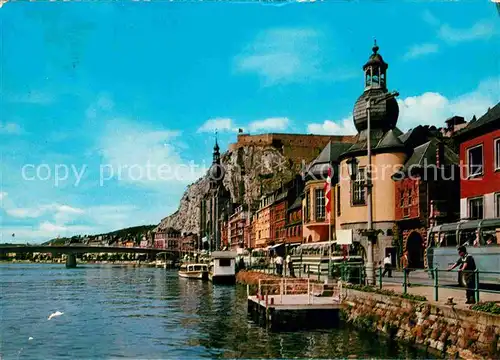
(370, 233)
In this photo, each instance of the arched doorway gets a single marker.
(414, 246)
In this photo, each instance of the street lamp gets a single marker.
(370, 232)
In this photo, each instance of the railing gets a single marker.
(292, 291)
(474, 284)
(356, 274)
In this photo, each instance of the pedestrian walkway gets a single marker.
(458, 295)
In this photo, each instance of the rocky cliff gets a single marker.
(244, 169)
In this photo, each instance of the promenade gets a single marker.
(421, 285)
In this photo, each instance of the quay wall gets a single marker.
(458, 333)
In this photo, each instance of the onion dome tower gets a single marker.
(384, 115)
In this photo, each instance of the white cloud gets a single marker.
(287, 55)
(419, 50)
(217, 124)
(482, 29)
(329, 127)
(64, 220)
(142, 155)
(10, 128)
(275, 123)
(59, 212)
(433, 108)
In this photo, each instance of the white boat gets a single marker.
(223, 267)
(194, 271)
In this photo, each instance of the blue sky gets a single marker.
(102, 92)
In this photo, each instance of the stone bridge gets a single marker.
(72, 250)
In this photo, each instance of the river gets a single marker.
(149, 313)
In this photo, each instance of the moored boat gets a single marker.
(194, 271)
(223, 267)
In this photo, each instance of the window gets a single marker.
(497, 154)
(358, 188)
(475, 161)
(497, 205)
(402, 198)
(476, 208)
(320, 204)
(224, 262)
(410, 199)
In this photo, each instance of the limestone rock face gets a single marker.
(245, 169)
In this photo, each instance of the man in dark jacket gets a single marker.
(468, 267)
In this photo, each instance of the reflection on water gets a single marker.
(149, 313)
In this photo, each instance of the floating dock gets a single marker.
(285, 304)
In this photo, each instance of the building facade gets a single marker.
(317, 226)
(293, 222)
(480, 160)
(278, 215)
(237, 224)
(427, 194)
(263, 222)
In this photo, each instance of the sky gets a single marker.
(109, 109)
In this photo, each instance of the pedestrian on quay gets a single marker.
(279, 264)
(405, 263)
(387, 266)
(289, 263)
(468, 267)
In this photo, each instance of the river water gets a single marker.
(149, 313)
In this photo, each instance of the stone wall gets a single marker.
(455, 332)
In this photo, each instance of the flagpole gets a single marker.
(329, 214)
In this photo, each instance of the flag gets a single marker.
(328, 191)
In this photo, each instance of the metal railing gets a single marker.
(292, 291)
(474, 283)
(356, 274)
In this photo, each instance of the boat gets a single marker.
(223, 267)
(194, 271)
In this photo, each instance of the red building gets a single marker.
(167, 238)
(188, 243)
(480, 160)
(278, 216)
(426, 193)
(293, 219)
(237, 223)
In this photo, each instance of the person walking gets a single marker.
(387, 266)
(289, 263)
(405, 265)
(468, 267)
(279, 265)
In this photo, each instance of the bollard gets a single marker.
(476, 285)
(436, 284)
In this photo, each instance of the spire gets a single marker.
(375, 46)
(375, 70)
(216, 153)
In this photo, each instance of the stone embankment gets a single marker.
(458, 333)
